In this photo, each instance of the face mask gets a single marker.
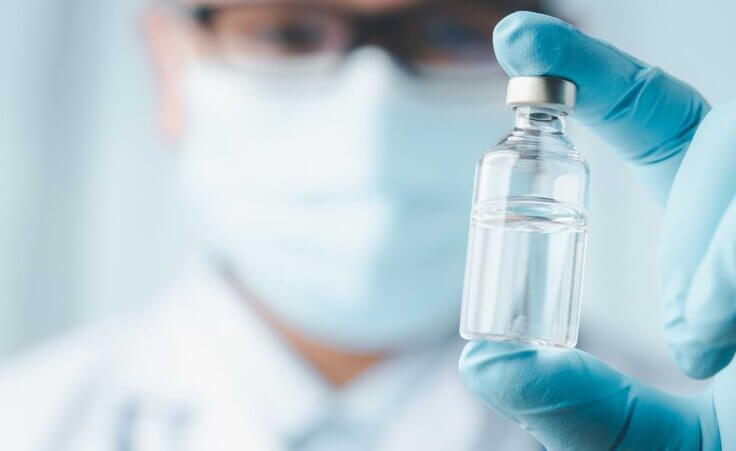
(342, 201)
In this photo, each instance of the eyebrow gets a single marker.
(534, 5)
(266, 2)
(505, 3)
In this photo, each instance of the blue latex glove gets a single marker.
(566, 398)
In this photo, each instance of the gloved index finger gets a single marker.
(569, 400)
(649, 116)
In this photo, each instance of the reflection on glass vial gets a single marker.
(528, 227)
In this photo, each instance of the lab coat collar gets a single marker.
(285, 394)
(203, 355)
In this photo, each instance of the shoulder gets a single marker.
(64, 354)
(57, 389)
(42, 375)
(60, 363)
(42, 385)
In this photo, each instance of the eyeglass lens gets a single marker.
(435, 34)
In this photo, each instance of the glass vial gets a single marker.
(528, 225)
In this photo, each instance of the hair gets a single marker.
(531, 5)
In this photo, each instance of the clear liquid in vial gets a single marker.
(524, 271)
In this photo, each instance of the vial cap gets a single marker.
(541, 91)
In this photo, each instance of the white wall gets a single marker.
(86, 203)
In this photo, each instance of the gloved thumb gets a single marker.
(647, 115)
(698, 250)
(569, 400)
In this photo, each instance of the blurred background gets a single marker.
(91, 225)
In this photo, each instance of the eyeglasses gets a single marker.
(426, 38)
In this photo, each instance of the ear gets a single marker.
(169, 42)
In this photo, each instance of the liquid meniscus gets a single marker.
(525, 262)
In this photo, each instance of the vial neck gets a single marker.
(540, 119)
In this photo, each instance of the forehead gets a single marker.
(360, 5)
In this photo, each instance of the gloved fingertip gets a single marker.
(470, 361)
(478, 355)
(702, 364)
(486, 348)
(497, 372)
(527, 43)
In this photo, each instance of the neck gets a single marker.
(336, 366)
(540, 119)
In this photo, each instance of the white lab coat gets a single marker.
(200, 372)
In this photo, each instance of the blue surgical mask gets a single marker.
(342, 202)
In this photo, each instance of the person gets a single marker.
(328, 147)
(684, 150)
(328, 152)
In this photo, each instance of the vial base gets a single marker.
(524, 272)
(519, 339)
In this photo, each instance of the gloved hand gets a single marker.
(566, 398)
